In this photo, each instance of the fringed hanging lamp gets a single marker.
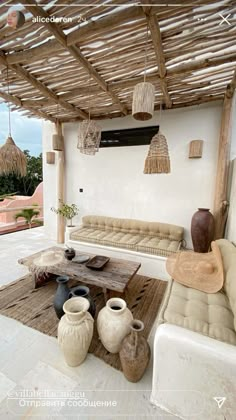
(157, 160)
(143, 96)
(89, 136)
(12, 159)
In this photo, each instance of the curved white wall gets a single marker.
(113, 179)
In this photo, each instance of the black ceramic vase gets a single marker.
(83, 291)
(69, 253)
(62, 294)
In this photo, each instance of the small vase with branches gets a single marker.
(67, 211)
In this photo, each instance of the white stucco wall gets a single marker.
(113, 179)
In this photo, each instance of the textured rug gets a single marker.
(34, 307)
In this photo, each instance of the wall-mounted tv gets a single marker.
(128, 137)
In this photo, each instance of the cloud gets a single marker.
(26, 132)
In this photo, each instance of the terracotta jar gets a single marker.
(135, 353)
(84, 291)
(113, 324)
(61, 295)
(202, 230)
(75, 330)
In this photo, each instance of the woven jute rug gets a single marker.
(34, 307)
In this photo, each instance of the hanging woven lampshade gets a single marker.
(89, 137)
(144, 94)
(12, 159)
(143, 101)
(157, 160)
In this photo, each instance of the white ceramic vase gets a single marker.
(113, 324)
(75, 330)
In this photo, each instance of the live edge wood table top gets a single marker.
(115, 275)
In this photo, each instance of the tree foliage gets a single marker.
(26, 185)
(29, 215)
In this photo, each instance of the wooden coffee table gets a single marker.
(115, 275)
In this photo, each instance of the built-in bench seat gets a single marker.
(146, 237)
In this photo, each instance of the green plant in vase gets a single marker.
(67, 211)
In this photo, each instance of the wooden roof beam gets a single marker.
(16, 101)
(159, 52)
(232, 86)
(24, 74)
(58, 33)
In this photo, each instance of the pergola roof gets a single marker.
(93, 61)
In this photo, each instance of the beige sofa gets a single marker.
(210, 314)
(194, 346)
(135, 235)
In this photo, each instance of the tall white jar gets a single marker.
(75, 330)
(113, 324)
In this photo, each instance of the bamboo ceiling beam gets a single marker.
(16, 101)
(184, 68)
(36, 10)
(232, 86)
(20, 71)
(198, 101)
(159, 52)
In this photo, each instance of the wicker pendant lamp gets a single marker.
(12, 159)
(89, 136)
(157, 160)
(143, 95)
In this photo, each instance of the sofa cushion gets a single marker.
(136, 227)
(131, 241)
(207, 314)
(228, 252)
(106, 237)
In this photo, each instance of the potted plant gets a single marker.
(67, 211)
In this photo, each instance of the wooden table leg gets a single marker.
(106, 294)
(40, 279)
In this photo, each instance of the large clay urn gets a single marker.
(75, 330)
(135, 353)
(113, 324)
(202, 230)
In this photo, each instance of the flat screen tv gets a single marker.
(128, 137)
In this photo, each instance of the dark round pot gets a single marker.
(62, 294)
(202, 230)
(69, 254)
(84, 291)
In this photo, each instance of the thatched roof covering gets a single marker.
(191, 55)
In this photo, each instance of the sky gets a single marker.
(26, 132)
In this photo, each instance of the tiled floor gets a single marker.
(31, 361)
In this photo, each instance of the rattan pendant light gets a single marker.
(89, 136)
(143, 95)
(12, 159)
(158, 160)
